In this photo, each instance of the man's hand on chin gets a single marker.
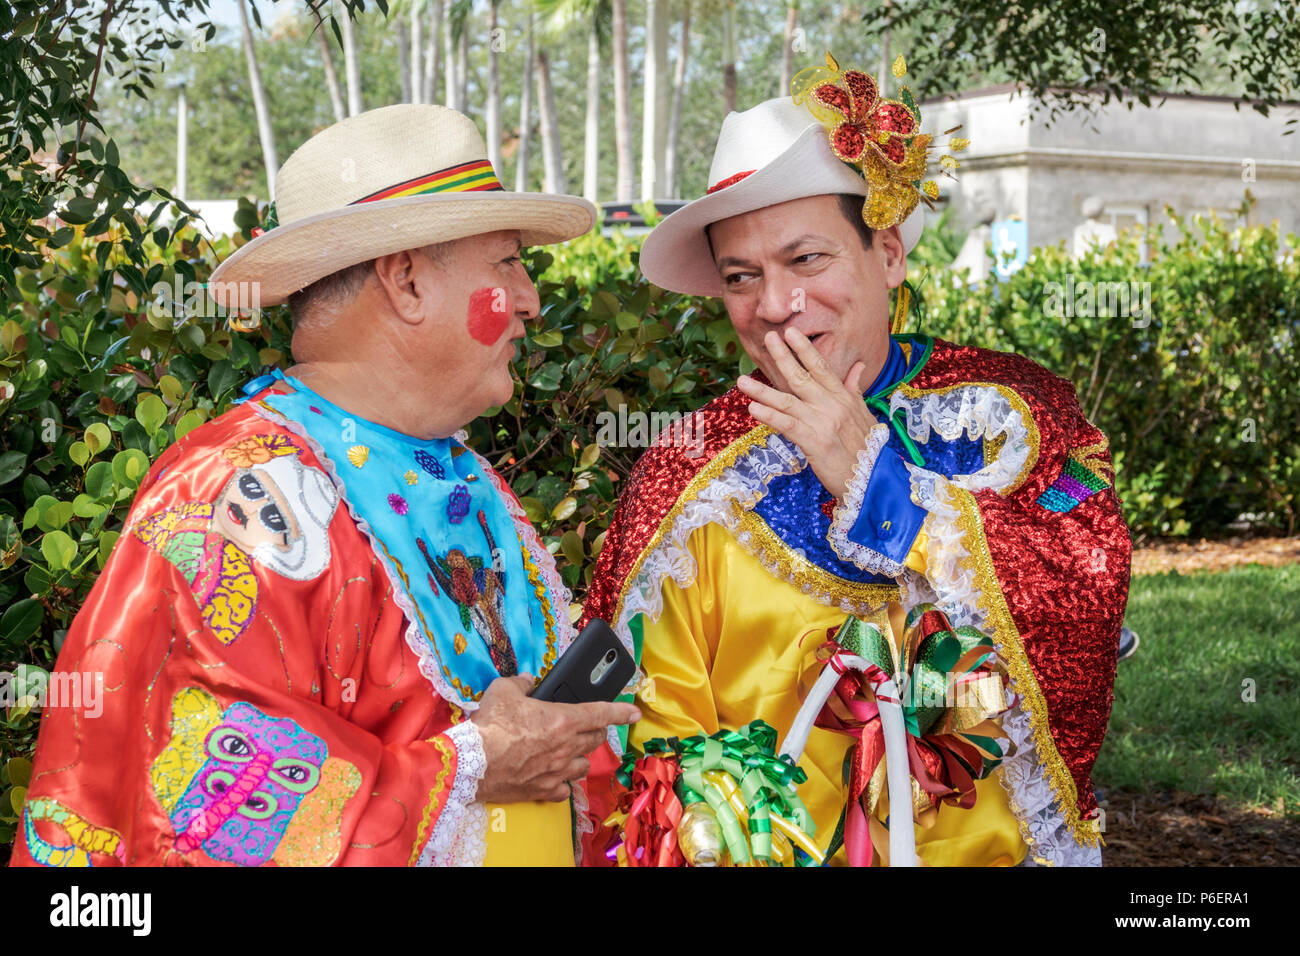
(535, 748)
(825, 417)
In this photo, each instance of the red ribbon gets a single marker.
(936, 760)
(653, 812)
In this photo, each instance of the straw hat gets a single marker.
(770, 154)
(395, 178)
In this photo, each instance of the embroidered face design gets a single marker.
(241, 801)
(246, 787)
(272, 510)
(252, 510)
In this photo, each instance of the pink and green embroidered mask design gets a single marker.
(258, 770)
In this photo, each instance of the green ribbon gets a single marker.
(925, 698)
(767, 784)
(897, 421)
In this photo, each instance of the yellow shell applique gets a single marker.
(411, 478)
(358, 454)
(459, 643)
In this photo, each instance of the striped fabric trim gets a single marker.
(1076, 483)
(475, 176)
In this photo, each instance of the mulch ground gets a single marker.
(1186, 556)
(1194, 829)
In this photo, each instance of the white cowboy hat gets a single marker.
(770, 154)
(395, 178)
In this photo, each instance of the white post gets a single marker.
(182, 144)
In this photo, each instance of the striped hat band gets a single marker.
(474, 176)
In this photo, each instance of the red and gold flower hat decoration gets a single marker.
(880, 137)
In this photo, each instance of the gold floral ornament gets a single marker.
(258, 450)
(880, 137)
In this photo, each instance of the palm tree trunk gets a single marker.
(883, 78)
(433, 51)
(417, 74)
(654, 128)
(351, 64)
(552, 151)
(494, 91)
(403, 58)
(182, 144)
(525, 114)
(591, 159)
(622, 106)
(729, 57)
(787, 52)
(331, 75)
(675, 117)
(462, 70)
(449, 76)
(264, 131)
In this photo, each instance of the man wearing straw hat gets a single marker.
(967, 482)
(317, 632)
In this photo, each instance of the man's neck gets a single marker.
(369, 397)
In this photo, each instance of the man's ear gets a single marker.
(893, 255)
(397, 273)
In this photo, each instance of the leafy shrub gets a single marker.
(1198, 397)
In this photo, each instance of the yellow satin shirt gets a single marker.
(740, 644)
(538, 833)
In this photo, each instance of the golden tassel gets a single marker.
(902, 303)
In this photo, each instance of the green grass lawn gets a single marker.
(1179, 720)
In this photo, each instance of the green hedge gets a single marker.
(1199, 397)
(98, 379)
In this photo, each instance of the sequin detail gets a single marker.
(1085, 473)
(397, 503)
(87, 839)
(458, 504)
(234, 781)
(880, 138)
(429, 463)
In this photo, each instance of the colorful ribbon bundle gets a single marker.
(712, 801)
(952, 691)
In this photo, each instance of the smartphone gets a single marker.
(595, 667)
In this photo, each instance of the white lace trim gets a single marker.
(846, 512)
(459, 836)
(582, 816)
(946, 583)
(954, 591)
(981, 411)
(1034, 803)
(722, 501)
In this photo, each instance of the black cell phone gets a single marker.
(595, 667)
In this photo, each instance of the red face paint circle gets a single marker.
(490, 310)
